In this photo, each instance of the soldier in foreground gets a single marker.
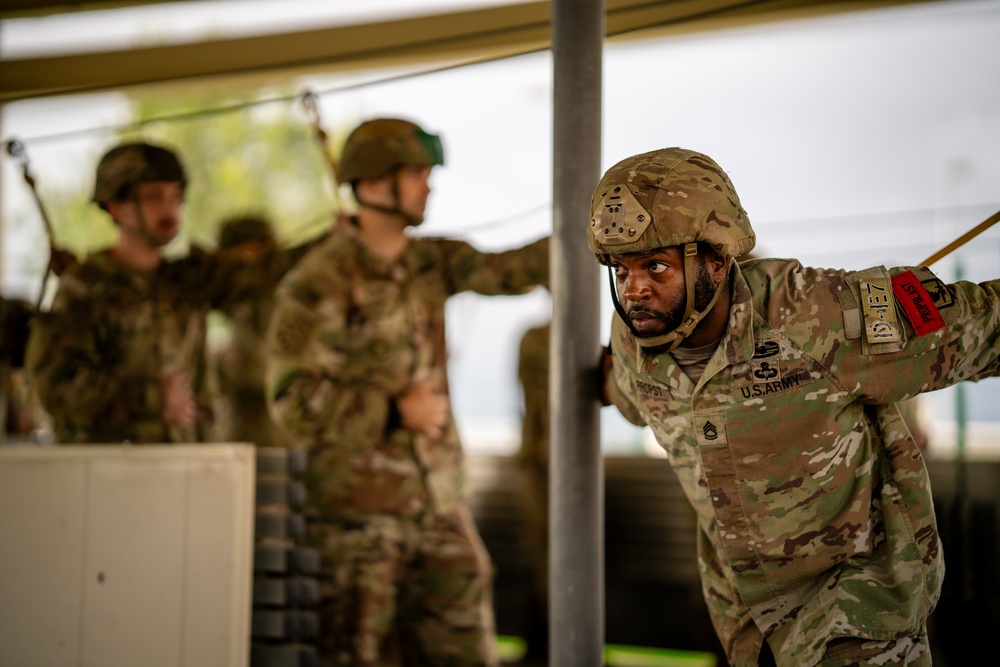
(771, 387)
(358, 376)
(120, 356)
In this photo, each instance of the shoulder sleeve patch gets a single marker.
(917, 303)
(941, 293)
(870, 311)
(881, 325)
(852, 314)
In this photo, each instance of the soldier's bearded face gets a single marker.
(652, 291)
(154, 211)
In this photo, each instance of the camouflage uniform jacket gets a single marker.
(533, 373)
(814, 508)
(349, 332)
(98, 357)
(240, 368)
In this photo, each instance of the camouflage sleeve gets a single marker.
(944, 339)
(321, 380)
(889, 335)
(72, 357)
(616, 387)
(227, 277)
(533, 374)
(511, 272)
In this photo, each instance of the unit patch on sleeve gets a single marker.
(917, 303)
(881, 325)
(940, 292)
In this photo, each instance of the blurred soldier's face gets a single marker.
(414, 188)
(652, 291)
(404, 191)
(153, 212)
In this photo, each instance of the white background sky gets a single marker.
(859, 139)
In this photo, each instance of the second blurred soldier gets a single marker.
(358, 374)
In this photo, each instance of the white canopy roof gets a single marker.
(460, 36)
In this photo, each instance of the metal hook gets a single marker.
(15, 148)
(311, 103)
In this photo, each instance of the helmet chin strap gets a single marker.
(673, 339)
(410, 220)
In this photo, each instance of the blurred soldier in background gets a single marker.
(19, 412)
(533, 461)
(358, 375)
(772, 388)
(120, 356)
(242, 413)
(241, 364)
(242, 406)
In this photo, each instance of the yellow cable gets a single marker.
(963, 239)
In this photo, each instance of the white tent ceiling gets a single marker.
(460, 36)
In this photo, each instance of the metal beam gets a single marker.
(576, 538)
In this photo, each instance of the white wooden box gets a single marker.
(124, 556)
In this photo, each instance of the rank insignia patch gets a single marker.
(711, 430)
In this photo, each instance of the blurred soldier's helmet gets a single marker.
(664, 198)
(668, 197)
(124, 166)
(241, 230)
(378, 147)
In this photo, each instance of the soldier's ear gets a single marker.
(717, 265)
(372, 188)
(115, 209)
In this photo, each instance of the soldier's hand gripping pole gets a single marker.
(963, 239)
(59, 260)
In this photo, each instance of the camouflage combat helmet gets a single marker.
(240, 230)
(669, 197)
(378, 147)
(128, 164)
(664, 198)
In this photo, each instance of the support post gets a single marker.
(576, 495)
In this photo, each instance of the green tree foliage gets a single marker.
(242, 158)
(78, 224)
(262, 159)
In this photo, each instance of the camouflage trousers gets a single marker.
(851, 652)
(912, 651)
(419, 590)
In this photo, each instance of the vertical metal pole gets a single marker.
(576, 501)
(3, 220)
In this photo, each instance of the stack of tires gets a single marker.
(285, 585)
